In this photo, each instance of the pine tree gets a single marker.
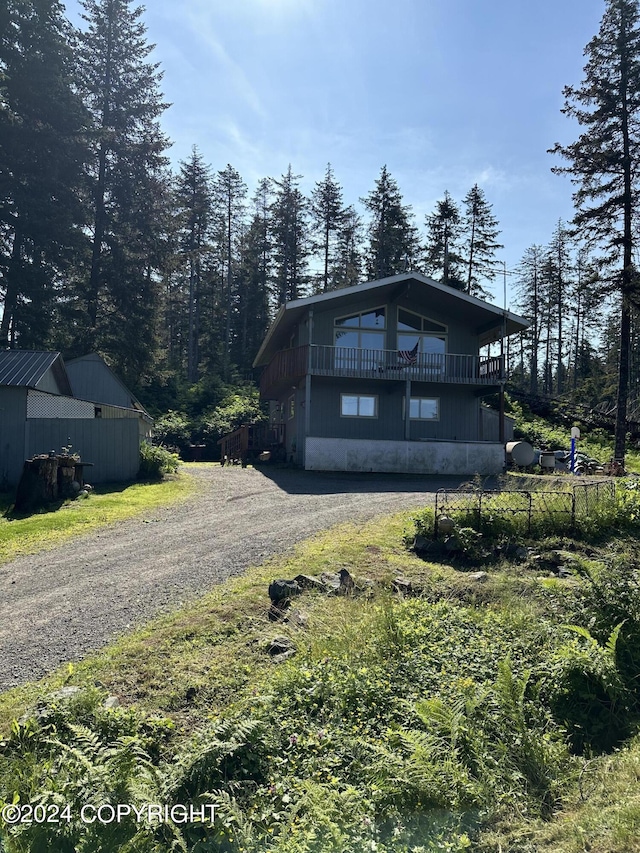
(328, 214)
(443, 250)
(480, 229)
(128, 185)
(290, 238)
(229, 193)
(604, 162)
(253, 284)
(42, 124)
(559, 268)
(393, 239)
(531, 304)
(347, 267)
(194, 204)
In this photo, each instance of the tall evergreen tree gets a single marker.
(42, 124)
(604, 162)
(443, 249)
(229, 193)
(393, 239)
(290, 238)
(127, 184)
(347, 266)
(531, 300)
(194, 202)
(328, 214)
(559, 268)
(480, 228)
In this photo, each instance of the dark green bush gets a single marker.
(156, 461)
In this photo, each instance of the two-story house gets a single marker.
(387, 376)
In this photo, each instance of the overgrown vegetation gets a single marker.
(155, 462)
(474, 716)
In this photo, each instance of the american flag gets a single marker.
(409, 356)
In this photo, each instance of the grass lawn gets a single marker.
(433, 723)
(107, 505)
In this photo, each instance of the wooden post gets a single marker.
(407, 410)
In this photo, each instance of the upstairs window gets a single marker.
(413, 329)
(365, 330)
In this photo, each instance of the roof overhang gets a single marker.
(489, 322)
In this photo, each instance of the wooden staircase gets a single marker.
(250, 441)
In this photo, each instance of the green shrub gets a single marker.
(155, 462)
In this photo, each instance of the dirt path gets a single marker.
(58, 605)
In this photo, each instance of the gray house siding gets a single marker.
(459, 338)
(110, 444)
(458, 421)
(13, 412)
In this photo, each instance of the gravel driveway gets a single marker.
(58, 605)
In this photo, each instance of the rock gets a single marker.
(278, 612)
(402, 585)
(281, 590)
(114, 702)
(347, 584)
(297, 618)
(64, 694)
(421, 544)
(480, 577)
(451, 544)
(564, 572)
(310, 582)
(446, 525)
(340, 583)
(283, 657)
(521, 553)
(280, 645)
(331, 582)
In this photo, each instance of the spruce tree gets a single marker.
(42, 154)
(128, 184)
(393, 242)
(604, 162)
(327, 211)
(229, 193)
(480, 229)
(194, 202)
(290, 238)
(443, 248)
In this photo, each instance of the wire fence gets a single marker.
(521, 509)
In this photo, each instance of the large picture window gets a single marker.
(363, 331)
(358, 406)
(430, 336)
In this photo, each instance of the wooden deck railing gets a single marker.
(292, 364)
(250, 440)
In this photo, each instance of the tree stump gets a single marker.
(38, 485)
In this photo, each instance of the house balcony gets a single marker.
(287, 367)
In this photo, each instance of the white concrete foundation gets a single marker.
(404, 457)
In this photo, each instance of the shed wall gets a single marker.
(13, 410)
(112, 445)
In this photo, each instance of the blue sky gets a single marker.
(446, 93)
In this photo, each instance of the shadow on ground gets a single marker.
(299, 482)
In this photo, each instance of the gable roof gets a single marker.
(491, 322)
(95, 358)
(26, 368)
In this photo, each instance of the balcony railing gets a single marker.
(289, 366)
(388, 364)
